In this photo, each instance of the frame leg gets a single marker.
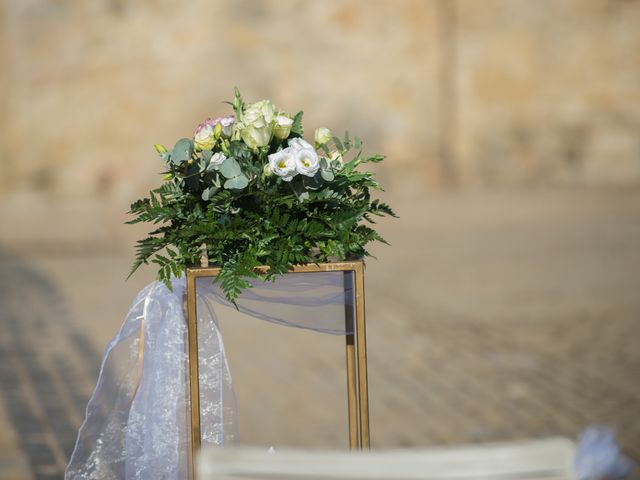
(194, 376)
(361, 343)
(354, 441)
(352, 386)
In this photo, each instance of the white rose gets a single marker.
(282, 127)
(266, 109)
(283, 164)
(255, 132)
(217, 158)
(204, 139)
(307, 162)
(322, 135)
(257, 124)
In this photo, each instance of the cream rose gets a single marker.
(256, 133)
(256, 126)
(322, 135)
(282, 127)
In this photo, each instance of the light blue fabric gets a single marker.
(599, 457)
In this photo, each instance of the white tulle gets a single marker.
(137, 422)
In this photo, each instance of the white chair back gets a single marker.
(549, 459)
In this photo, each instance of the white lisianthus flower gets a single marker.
(307, 160)
(282, 128)
(204, 138)
(300, 144)
(217, 158)
(322, 135)
(283, 164)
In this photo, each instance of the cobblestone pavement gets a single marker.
(493, 317)
(45, 367)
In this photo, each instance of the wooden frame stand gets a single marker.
(356, 347)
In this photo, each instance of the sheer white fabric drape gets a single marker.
(137, 422)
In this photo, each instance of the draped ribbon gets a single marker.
(137, 423)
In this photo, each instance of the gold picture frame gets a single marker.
(356, 349)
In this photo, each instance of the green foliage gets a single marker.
(230, 168)
(236, 183)
(182, 151)
(245, 218)
(237, 104)
(296, 128)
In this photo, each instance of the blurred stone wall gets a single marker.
(456, 92)
(549, 91)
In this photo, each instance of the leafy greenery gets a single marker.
(244, 216)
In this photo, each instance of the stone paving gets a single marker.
(494, 316)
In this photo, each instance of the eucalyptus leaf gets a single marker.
(236, 183)
(303, 196)
(325, 170)
(327, 174)
(313, 183)
(230, 168)
(240, 151)
(207, 193)
(207, 154)
(182, 151)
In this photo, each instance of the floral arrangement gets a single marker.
(249, 190)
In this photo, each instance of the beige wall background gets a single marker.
(456, 92)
